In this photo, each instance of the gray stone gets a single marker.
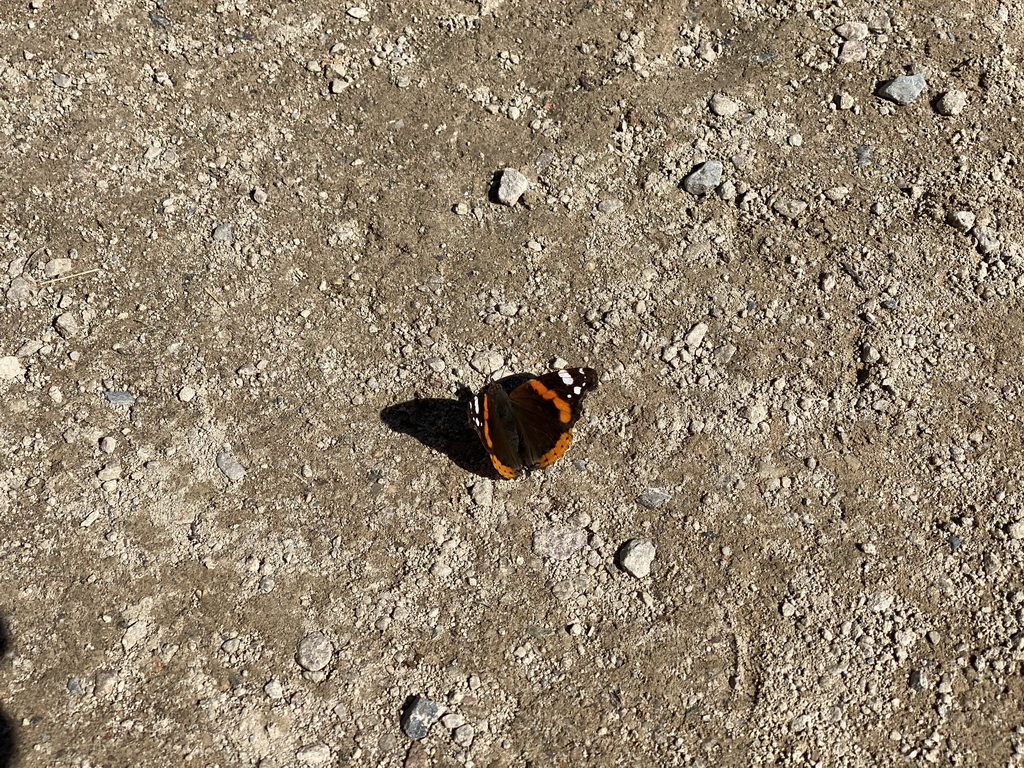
(986, 238)
(57, 267)
(880, 24)
(919, 680)
(22, 289)
(314, 652)
(951, 103)
(119, 397)
(512, 186)
(557, 542)
(653, 498)
(704, 178)
(419, 714)
(790, 208)
(609, 206)
(902, 90)
(695, 336)
(222, 233)
(1016, 530)
(229, 465)
(636, 557)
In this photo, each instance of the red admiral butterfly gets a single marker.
(531, 426)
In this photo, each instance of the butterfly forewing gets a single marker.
(545, 410)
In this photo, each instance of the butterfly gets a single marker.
(531, 426)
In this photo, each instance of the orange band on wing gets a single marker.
(558, 451)
(507, 472)
(564, 409)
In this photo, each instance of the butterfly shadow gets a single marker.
(7, 742)
(441, 424)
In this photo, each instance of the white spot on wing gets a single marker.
(577, 390)
(566, 378)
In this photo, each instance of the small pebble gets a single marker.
(653, 498)
(790, 208)
(314, 652)
(21, 290)
(756, 413)
(229, 465)
(222, 233)
(62, 81)
(358, 13)
(960, 220)
(314, 754)
(482, 492)
(259, 195)
(986, 238)
(119, 397)
(852, 51)
(512, 186)
(487, 362)
(463, 735)
(11, 368)
(57, 267)
(418, 715)
(695, 336)
(186, 394)
(67, 325)
(951, 103)
(723, 106)
(704, 178)
(880, 24)
(557, 542)
(852, 30)
(74, 685)
(609, 206)
(919, 680)
(273, 689)
(902, 90)
(869, 355)
(844, 101)
(1016, 530)
(636, 557)
(108, 444)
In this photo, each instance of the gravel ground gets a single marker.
(253, 257)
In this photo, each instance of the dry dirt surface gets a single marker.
(255, 256)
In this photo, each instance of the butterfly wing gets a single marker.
(545, 410)
(491, 414)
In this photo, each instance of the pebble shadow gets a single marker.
(441, 424)
(6, 728)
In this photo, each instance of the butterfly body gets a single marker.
(530, 426)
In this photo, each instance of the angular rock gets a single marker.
(902, 90)
(557, 542)
(653, 498)
(636, 556)
(314, 652)
(951, 103)
(704, 178)
(512, 186)
(419, 714)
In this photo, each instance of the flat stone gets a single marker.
(557, 542)
(222, 233)
(487, 362)
(852, 51)
(229, 465)
(313, 754)
(636, 556)
(119, 397)
(22, 289)
(704, 178)
(482, 492)
(852, 30)
(512, 186)
(419, 714)
(695, 336)
(902, 90)
(653, 498)
(57, 267)
(609, 206)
